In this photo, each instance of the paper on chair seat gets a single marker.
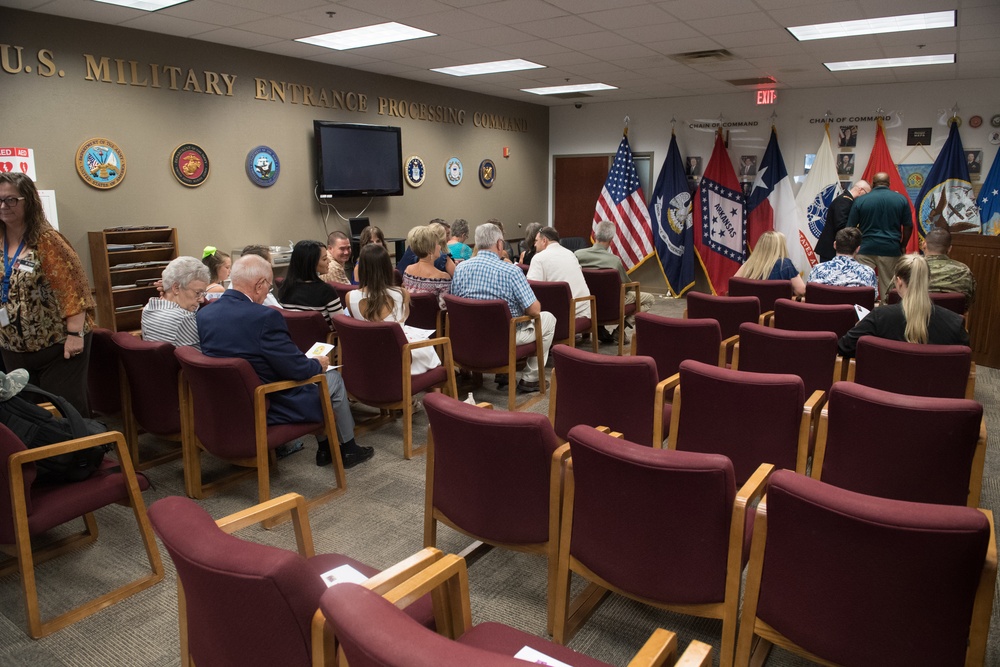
(531, 655)
(342, 574)
(413, 334)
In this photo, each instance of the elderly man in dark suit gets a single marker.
(239, 326)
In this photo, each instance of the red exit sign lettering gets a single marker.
(767, 96)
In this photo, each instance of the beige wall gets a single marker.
(55, 114)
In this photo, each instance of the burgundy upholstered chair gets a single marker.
(232, 424)
(306, 328)
(150, 390)
(103, 385)
(953, 301)
(752, 418)
(482, 334)
(800, 316)
(663, 527)
(767, 291)
(556, 298)
(523, 267)
(373, 632)
(426, 313)
(493, 475)
(848, 579)
(832, 295)
(917, 448)
(729, 311)
(671, 340)
(30, 508)
(609, 293)
(376, 370)
(622, 393)
(812, 355)
(241, 603)
(343, 289)
(946, 371)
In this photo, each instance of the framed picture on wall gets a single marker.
(845, 164)
(974, 161)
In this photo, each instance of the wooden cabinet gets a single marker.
(982, 255)
(126, 262)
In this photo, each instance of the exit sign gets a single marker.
(767, 96)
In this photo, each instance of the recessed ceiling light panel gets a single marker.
(576, 88)
(144, 5)
(382, 33)
(847, 65)
(489, 68)
(877, 26)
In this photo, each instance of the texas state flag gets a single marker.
(771, 205)
(720, 226)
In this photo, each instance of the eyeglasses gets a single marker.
(10, 202)
(198, 293)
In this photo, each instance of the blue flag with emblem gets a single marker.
(670, 213)
(989, 201)
(946, 200)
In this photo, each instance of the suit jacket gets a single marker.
(836, 219)
(237, 327)
(596, 257)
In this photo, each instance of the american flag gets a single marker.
(622, 203)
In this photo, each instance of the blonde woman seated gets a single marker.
(769, 261)
(377, 300)
(915, 319)
(424, 277)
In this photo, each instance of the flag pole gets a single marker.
(625, 131)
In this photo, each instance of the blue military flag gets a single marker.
(946, 200)
(989, 201)
(670, 213)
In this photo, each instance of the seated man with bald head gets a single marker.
(947, 274)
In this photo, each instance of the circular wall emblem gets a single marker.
(262, 166)
(190, 165)
(453, 170)
(415, 171)
(100, 163)
(975, 121)
(995, 121)
(995, 138)
(487, 173)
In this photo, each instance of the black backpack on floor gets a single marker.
(35, 427)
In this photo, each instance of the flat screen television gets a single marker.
(356, 160)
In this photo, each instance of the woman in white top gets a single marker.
(377, 300)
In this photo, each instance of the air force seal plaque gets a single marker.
(263, 166)
(453, 171)
(414, 171)
(487, 173)
(100, 163)
(189, 163)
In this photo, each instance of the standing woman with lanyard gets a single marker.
(45, 300)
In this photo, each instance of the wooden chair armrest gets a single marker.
(390, 578)
(514, 321)
(754, 487)
(591, 298)
(272, 387)
(851, 369)
(430, 342)
(422, 582)
(290, 502)
(634, 283)
(485, 405)
(766, 319)
(814, 402)
(48, 451)
(725, 346)
(970, 387)
(606, 430)
(697, 654)
(658, 649)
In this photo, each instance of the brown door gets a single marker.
(578, 183)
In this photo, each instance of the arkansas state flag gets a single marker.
(720, 225)
(771, 205)
(670, 212)
(881, 160)
(946, 200)
(822, 186)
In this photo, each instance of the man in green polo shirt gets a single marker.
(885, 221)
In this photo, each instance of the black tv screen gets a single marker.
(355, 160)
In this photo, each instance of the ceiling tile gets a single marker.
(521, 10)
(277, 26)
(628, 17)
(660, 32)
(686, 10)
(393, 9)
(724, 25)
(499, 36)
(168, 25)
(561, 26)
(594, 40)
(234, 37)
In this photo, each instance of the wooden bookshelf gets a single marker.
(113, 255)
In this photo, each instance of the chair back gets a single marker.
(491, 470)
(953, 301)
(305, 327)
(557, 298)
(767, 291)
(372, 358)
(671, 340)
(424, 311)
(480, 332)
(246, 603)
(605, 285)
(222, 394)
(151, 369)
(604, 390)
(524, 267)
(812, 355)
(397, 278)
(799, 316)
(103, 384)
(673, 546)
(912, 368)
(916, 567)
(890, 445)
(832, 295)
(10, 444)
(343, 290)
(764, 416)
(729, 311)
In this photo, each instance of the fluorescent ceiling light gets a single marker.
(929, 21)
(383, 33)
(489, 68)
(577, 88)
(144, 5)
(846, 65)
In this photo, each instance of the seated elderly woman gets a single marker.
(424, 276)
(171, 318)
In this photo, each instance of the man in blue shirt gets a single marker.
(886, 222)
(486, 276)
(844, 270)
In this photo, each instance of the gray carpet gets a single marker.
(378, 520)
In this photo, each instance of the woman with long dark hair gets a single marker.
(302, 288)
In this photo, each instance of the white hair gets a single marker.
(182, 270)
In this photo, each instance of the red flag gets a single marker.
(881, 160)
(720, 226)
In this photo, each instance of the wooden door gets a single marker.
(578, 183)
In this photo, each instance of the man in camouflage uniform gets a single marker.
(947, 275)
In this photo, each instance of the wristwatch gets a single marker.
(78, 334)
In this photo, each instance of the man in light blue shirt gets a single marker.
(844, 269)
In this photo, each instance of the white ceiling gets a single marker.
(625, 43)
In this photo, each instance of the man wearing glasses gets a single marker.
(239, 326)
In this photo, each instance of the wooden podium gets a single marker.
(982, 255)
